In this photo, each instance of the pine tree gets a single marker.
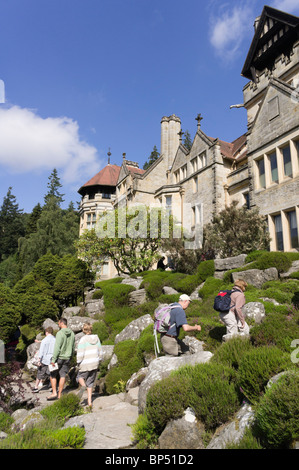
(53, 194)
(152, 158)
(187, 140)
(11, 225)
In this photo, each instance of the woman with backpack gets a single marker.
(234, 319)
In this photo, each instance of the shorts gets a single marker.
(63, 368)
(42, 372)
(89, 377)
(171, 346)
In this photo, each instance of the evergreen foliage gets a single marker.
(235, 231)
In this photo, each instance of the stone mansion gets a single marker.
(259, 169)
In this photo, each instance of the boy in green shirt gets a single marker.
(63, 350)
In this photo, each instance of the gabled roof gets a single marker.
(234, 150)
(108, 176)
(275, 34)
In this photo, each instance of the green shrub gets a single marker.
(98, 294)
(69, 438)
(129, 360)
(273, 259)
(213, 396)
(211, 287)
(153, 282)
(144, 433)
(231, 352)
(146, 341)
(167, 400)
(43, 438)
(205, 269)
(101, 329)
(248, 441)
(187, 285)
(116, 295)
(295, 275)
(108, 282)
(276, 417)
(257, 367)
(254, 255)
(277, 330)
(5, 421)
(66, 407)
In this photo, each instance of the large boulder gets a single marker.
(76, 323)
(255, 311)
(129, 281)
(256, 277)
(293, 269)
(183, 433)
(134, 329)
(48, 322)
(161, 367)
(137, 297)
(229, 263)
(233, 431)
(95, 306)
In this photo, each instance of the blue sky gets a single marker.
(83, 76)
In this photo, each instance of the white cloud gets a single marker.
(289, 6)
(227, 31)
(30, 143)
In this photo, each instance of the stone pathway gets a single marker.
(108, 425)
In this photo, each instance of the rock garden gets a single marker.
(222, 393)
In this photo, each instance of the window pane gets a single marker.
(274, 171)
(293, 229)
(287, 161)
(261, 167)
(278, 232)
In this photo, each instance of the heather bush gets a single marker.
(5, 421)
(276, 417)
(205, 269)
(144, 433)
(63, 409)
(167, 400)
(257, 367)
(101, 329)
(43, 438)
(277, 329)
(213, 396)
(129, 360)
(211, 287)
(232, 352)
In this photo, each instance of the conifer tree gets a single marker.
(11, 225)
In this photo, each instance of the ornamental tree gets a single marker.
(235, 231)
(131, 237)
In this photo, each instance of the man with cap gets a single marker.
(170, 342)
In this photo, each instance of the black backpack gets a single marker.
(222, 300)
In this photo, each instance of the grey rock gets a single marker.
(183, 433)
(137, 297)
(256, 277)
(76, 323)
(134, 329)
(230, 263)
(255, 311)
(161, 367)
(294, 268)
(234, 431)
(71, 312)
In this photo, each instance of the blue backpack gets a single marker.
(222, 301)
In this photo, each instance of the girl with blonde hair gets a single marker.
(88, 357)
